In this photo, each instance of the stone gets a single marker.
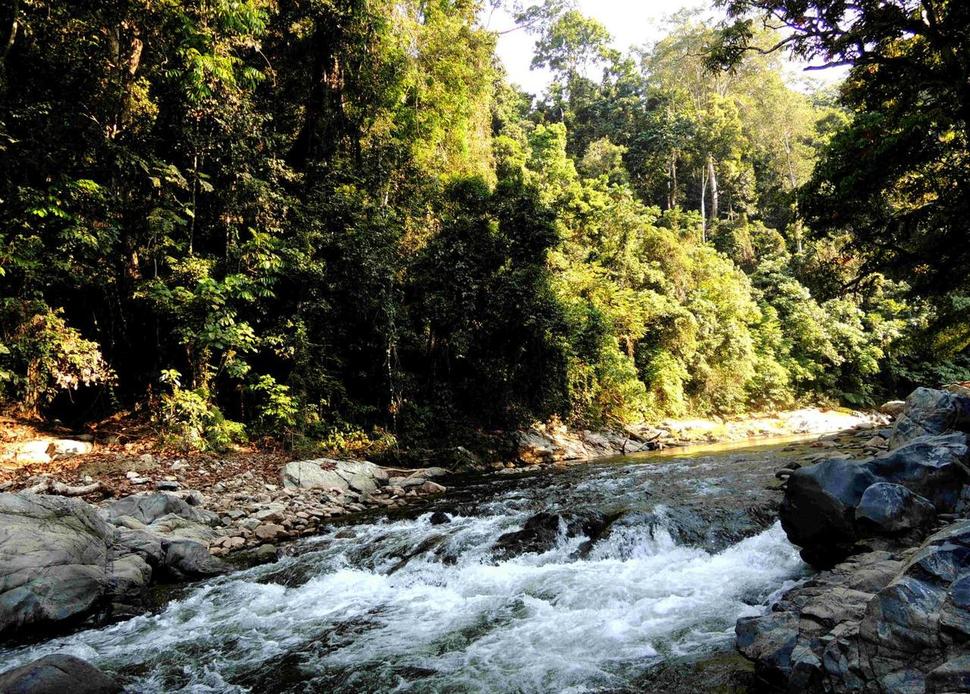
(930, 412)
(439, 518)
(187, 559)
(769, 641)
(816, 512)
(53, 559)
(57, 674)
(430, 487)
(152, 506)
(69, 447)
(167, 486)
(265, 553)
(268, 531)
(952, 676)
(893, 408)
(892, 508)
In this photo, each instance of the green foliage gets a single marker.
(346, 229)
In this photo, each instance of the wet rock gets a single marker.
(930, 412)
(539, 534)
(439, 518)
(56, 674)
(769, 641)
(186, 559)
(892, 508)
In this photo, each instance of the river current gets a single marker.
(579, 580)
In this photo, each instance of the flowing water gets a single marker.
(585, 579)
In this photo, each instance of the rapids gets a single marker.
(644, 560)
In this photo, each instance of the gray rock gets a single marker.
(930, 412)
(57, 674)
(186, 559)
(150, 507)
(53, 559)
(951, 676)
(769, 641)
(820, 511)
(892, 508)
(325, 473)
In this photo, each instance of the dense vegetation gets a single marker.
(336, 219)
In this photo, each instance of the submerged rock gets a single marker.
(57, 674)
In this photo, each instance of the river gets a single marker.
(589, 578)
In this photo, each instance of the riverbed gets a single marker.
(588, 578)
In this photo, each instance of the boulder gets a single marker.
(930, 412)
(56, 674)
(817, 512)
(325, 473)
(931, 466)
(53, 559)
(892, 508)
(151, 507)
(821, 509)
(60, 559)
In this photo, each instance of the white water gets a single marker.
(339, 617)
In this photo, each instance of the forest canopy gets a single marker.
(327, 219)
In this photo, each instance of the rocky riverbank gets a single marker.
(554, 443)
(890, 610)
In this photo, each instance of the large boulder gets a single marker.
(57, 674)
(817, 512)
(930, 412)
(53, 559)
(325, 473)
(829, 506)
(60, 560)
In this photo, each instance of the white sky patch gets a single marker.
(631, 22)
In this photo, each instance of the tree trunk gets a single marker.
(703, 204)
(712, 175)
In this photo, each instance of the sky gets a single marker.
(631, 22)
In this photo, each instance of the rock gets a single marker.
(53, 559)
(893, 408)
(892, 508)
(539, 534)
(57, 674)
(324, 473)
(439, 518)
(167, 486)
(270, 514)
(430, 487)
(69, 447)
(269, 531)
(769, 641)
(817, 511)
(146, 459)
(265, 554)
(187, 559)
(875, 442)
(930, 412)
(951, 676)
(153, 506)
